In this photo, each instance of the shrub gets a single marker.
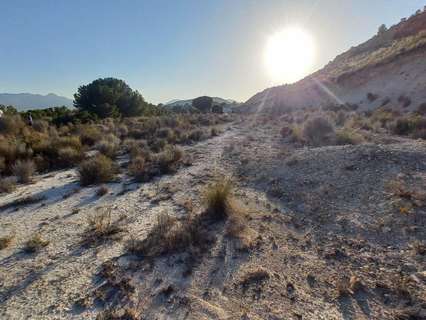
(11, 125)
(138, 169)
(169, 236)
(168, 160)
(7, 184)
(24, 170)
(108, 146)
(99, 169)
(62, 142)
(217, 198)
(122, 131)
(101, 226)
(158, 144)
(164, 133)
(318, 131)
(89, 135)
(35, 243)
(67, 157)
(214, 132)
(403, 126)
(40, 125)
(196, 135)
(347, 136)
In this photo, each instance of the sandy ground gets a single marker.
(315, 218)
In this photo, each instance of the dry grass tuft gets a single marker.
(100, 226)
(346, 286)
(7, 184)
(347, 136)
(24, 170)
(170, 236)
(35, 243)
(169, 159)
(6, 241)
(138, 169)
(217, 198)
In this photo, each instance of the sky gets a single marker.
(172, 49)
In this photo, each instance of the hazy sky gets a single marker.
(171, 49)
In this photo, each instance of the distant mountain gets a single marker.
(388, 69)
(188, 103)
(26, 101)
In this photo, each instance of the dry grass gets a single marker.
(169, 236)
(348, 285)
(35, 243)
(138, 169)
(217, 198)
(169, 159)
(347, 136)
(100, 226)
(24, 170)
(6, 241)
(108, 146)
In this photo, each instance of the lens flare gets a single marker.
(289, 55)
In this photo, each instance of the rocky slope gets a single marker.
(386, 70)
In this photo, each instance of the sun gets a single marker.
(289, 55)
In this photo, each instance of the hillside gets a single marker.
(25, 101)
(389, 68)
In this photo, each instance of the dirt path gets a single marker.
(46, 284)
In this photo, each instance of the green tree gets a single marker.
(204, 103)
(109, 97)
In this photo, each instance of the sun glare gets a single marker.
(289, 55)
